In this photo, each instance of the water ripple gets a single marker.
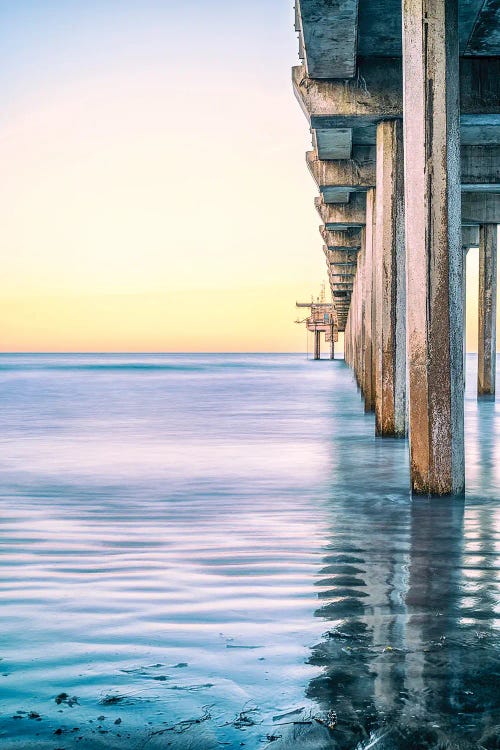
(221, 538)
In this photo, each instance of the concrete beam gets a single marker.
(328, 36)
(354, 175)
(433, 242)
(340, 283)
(377, 94)
(480, 168)
(350, 238)
(477, 208)
(470, 237)
(480, 171)
(345, 256)
(341, 217)
(377, 30)
(331, 143)
(341, 287)
(480, 208)
(335, 195)
(379, 27)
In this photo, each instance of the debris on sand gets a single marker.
(128, 698)
(112, 699)
(243, 719)
(182, 726)
(65, 698)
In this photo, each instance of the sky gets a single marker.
(154, 194)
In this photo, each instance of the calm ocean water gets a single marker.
(213, 550)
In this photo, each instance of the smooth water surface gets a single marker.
(214, 551)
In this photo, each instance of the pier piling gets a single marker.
(486, 358)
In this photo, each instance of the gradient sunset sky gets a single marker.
(154, 194)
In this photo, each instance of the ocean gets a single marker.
(205, 551)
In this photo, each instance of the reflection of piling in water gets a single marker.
(433, 605)
(406, 654)
(363, 585)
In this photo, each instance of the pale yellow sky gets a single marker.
(154, 194)
(156, 199)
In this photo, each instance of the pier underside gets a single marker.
(403, 104)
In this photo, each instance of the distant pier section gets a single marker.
(402, 99)
(321, 320)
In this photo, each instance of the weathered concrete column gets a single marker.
(368, 302)
(354, 324)
(360, 278)
(434, 251)
(347, 358)
(332, 348)
(390, 286)
(487, 306)
(317, 345)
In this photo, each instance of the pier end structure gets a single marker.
(361, 68)
(322, 319)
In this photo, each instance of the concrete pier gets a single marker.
(433, 245)
(390, 284)
(487, 309)
(369, 304)
(403, 103)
